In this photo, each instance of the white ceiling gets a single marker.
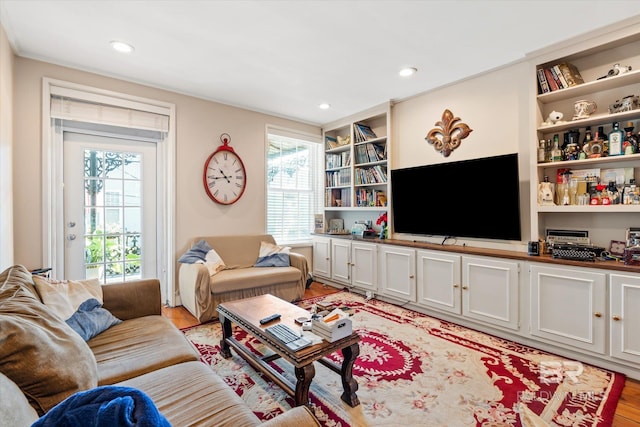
(286, 57)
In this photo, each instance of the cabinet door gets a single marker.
(438, 280)
(397, 272)
(364, 265)
(568, 307)
(322, 257)
(340, 260)
(625, 317)
(490, 289)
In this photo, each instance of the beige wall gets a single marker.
(6, 151)
(199, 124)
(495, 105)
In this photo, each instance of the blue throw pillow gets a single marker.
(197, 253)
(91, 319)
(273, 260)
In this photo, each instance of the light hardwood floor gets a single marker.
(627, 411)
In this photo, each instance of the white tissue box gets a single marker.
(332, 331)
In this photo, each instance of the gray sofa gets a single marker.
(43, 361)
(201, 293)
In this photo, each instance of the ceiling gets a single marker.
(286, 57)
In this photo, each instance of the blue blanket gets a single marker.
(106, 406)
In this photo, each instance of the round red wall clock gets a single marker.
(225, 177)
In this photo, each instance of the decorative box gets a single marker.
(334, 330)
(632, 255)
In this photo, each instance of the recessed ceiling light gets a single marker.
(324, 106)
(122, 46)
(406, 72)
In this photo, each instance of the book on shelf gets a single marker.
(552, 82)
(571, 74)
(556, 78)
(542, 82)
(363, 132)
(561, 77)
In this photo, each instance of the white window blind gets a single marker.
(294, 184)
(67, 108)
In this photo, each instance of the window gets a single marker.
(294, 185)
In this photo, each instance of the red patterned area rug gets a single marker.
(415, 370)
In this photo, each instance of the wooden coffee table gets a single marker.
(246, 313)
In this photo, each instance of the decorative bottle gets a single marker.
(630, 144)
(542, 154)
(616, 138)
(556, 152)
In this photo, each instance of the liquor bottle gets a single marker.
(556, 152)
(616, 138)
(601, 139)
(587, 136)
(542, 155)
(630, 144)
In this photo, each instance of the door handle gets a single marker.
(71, 224)
(71, 237)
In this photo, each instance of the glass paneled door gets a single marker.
(109, 208)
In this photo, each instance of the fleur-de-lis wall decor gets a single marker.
(449, 135)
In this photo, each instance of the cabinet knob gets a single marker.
(352, 264)
(616, 318)
(456, 286)
(597, 314)
(411, 276)
(465, 287)
(326, 259)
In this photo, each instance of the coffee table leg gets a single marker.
(349, 384)
(304, 375)
(225, 350)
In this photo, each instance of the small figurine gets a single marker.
(545, 194)
(554, 117)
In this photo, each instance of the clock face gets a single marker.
(224, 176)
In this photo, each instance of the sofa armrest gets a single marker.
(300, 416)
(300, 262)
(129, 300)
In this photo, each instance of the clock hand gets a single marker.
(225, 176)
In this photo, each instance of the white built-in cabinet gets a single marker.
(321, 257)
(341, 261)
(364, 272)
(480, 288)
(490, 289)
(439, 280)
(573, 310)
(351, 263)
(397, 272)
(624, 316)
(568, 306)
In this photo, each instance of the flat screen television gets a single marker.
(476, 198)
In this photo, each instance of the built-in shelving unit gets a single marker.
(357, 167)
(593, 59)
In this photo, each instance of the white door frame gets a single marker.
(52, 215)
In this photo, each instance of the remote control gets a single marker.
(269, 318)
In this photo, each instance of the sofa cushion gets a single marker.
(197, 252)
(39, 351)
(248, 278)
(63, 297)
(272, 255)
(192, 394)
(91, 319)
(237, 251)
(138, 346)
